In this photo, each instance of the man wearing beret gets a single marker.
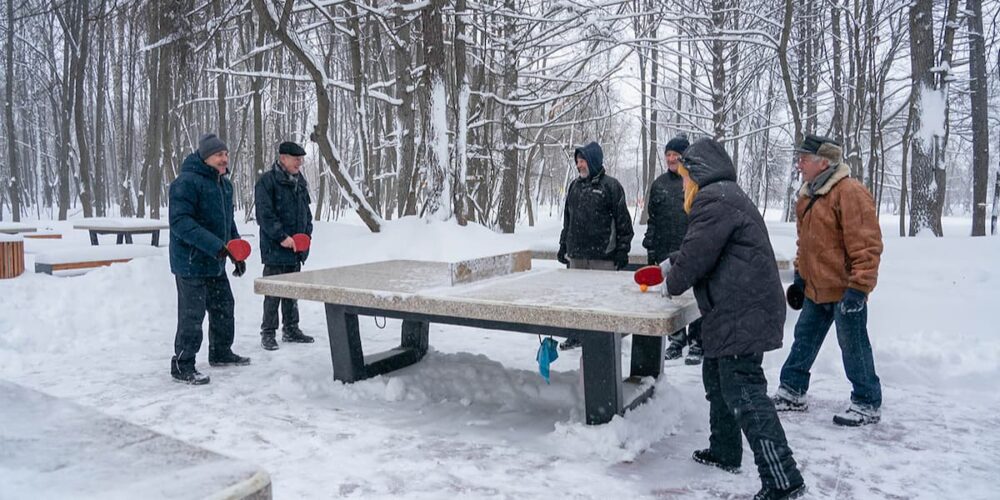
(282, 202)
(836, 267)
(665, 231)
(201, 224)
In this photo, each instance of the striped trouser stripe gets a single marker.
(774, 463)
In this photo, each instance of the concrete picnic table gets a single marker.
(54, 448)
(124, 228)
(557, 302)
(637, 257)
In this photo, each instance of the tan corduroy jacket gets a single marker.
(840, 242)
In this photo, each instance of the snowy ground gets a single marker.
(475, 420)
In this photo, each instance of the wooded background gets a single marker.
(472, 109)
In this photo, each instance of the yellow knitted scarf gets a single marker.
(690, 188)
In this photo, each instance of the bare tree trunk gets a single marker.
(718, 69)
(439, 178)
(980, 119)
(923, 94)
(793, 106)
(13, 181)
(100, 156)
(79, 75)
(406, 198)
(652, 160)
(460, 192)
(837, 122)
(508, 190)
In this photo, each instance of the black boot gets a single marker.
(706, 457)
(294, 335)
(674, 351)
(228, 359)
(694, 355)
(267, 341)
(767, 493)
(187, 374)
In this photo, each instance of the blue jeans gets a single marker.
(852, 335)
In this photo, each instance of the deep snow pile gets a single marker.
(474, 419)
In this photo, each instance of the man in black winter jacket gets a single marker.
(727, 257)
(597, 228)
(282, 202)
(665, 230)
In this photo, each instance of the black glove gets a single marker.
(561, 256)
(239, 268)
(621, 260)
(852, 302)
(796, 293)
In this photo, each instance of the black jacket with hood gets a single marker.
(596, 221)
(727, 257)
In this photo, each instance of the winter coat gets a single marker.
(596, 221)
(840, 242)
(201, 220)
(282, 203)
(667, 221)
(727, 257)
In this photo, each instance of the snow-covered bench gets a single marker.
(123, 228)
(90, 257)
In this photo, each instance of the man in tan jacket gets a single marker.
(836, 267)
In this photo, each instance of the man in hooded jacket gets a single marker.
(727, 258)
(597, 228)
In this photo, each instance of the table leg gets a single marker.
(647, 356)
(156, 238)
(93, 238)
(119, 239)
(602, 380)
(345, 344)
(128, 238)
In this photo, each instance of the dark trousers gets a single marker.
(737, 394)
(289, 307)
(855, 348)
(691, 335)
(195, 296)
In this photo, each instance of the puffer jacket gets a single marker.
(727, 257)
(201, 220)
(840, 241)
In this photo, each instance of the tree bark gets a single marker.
(980, 118)
(13, 180)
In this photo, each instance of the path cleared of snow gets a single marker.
(474, 419)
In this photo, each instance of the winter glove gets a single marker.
(621, 260)
(239, 268)
(852, 302)
(796, 295)
(561, 256)
(665, 269)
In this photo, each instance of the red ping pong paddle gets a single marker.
(239, 249)
(648, 276)
(302, 242)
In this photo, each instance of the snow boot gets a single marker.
(187, 374)
(767, 493)
(784, 400)
(228, 359)
(267, 341)
(695, 353)
(674, 351)
(294, 335)
(706, 457)
(570, 343)
(857, 415)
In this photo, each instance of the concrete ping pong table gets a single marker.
(497, 293)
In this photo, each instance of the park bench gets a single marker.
(80, 259)
(123, 228)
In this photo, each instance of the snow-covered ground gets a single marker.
(474, 419)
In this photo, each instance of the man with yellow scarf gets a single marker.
(727, 258)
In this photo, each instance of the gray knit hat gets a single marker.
(209, 144)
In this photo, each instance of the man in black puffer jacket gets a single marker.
(597, 228)
(282, 202)
(727, 257)
(665, 230)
